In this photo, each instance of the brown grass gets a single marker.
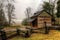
(53, 35)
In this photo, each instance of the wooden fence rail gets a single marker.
(4, 35)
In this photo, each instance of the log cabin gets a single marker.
(38, 19)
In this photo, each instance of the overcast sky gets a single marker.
(21, 5)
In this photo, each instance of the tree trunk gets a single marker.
(58, 21)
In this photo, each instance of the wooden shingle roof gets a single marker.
(38, 13)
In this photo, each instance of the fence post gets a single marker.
(18, 32)
(3, 35)
(46, 29)
(27, 34)
(31, 30)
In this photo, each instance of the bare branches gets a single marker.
(28, 13)
(10, 10)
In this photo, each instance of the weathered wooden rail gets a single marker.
(4, 35)
(25, 32)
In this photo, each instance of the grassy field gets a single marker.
(53, 35)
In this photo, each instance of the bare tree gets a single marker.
(53, 9)
(3, 20)
(10, 11)
(28, 14)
